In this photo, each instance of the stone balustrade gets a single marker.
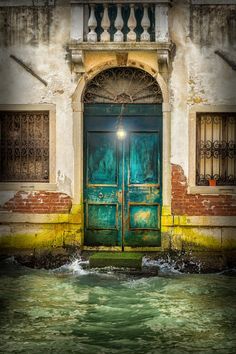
(120, 26)
(124, 21)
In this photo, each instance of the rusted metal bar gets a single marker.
(20, 62)
(225, 57)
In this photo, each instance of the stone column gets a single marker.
(166, 157)
(78, 154)
(161, 23)
(77, 23)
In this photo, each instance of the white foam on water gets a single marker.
(165, 267)
(76, 267)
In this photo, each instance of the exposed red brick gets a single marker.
(197, 204)
(39, 203)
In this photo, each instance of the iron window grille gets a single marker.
(24, 152)
(216, 149)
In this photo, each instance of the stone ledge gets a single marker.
(124, 46)
(200, 221)
(206, 190)
(10, 217)
(28, 187)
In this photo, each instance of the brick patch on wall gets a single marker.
(39, 203)
(197, 204)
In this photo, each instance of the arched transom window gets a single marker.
(123, 85)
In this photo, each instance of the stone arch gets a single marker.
(78, 107)
(132, 85)
(77, 97)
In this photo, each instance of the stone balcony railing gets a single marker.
(119, 25)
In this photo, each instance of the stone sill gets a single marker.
(198, 221)
(207, 190)
(8, 217)
(27, 186)
(124, 46)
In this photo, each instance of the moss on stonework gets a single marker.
(118, 259)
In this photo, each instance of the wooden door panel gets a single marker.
(107, 238)
(144, 216)
(143, 167)
(101, 158)
(143, 187)
(102, 216)
(122, 190)
(102, 207)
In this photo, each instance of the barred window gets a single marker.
(216, 149)
(24, 153)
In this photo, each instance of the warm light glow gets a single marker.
(121, 133)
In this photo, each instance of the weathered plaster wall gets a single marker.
(47, 57)
(199, 76)
(38, 36)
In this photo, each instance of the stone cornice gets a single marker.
(86, 2)
(214, 2)
(28, 3)
(125, 46)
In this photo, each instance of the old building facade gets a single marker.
(118, 125)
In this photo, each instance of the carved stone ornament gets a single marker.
(77, 57)
(123, 85)
(162, 59)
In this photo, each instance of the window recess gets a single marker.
(216, 149)
(24, 150)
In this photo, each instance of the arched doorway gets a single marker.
(122, 159)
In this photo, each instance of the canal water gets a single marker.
(74, 310)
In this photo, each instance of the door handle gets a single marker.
(100, 195)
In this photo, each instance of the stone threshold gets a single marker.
(116, 260)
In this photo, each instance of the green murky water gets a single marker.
(74, 311)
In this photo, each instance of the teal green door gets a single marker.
(122, 177)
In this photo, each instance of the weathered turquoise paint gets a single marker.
(102, 159)
(144, 217)
(143, 157)
(122, 191)
(102, 216)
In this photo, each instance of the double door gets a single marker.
(122, 177)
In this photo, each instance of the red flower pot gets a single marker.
(212, 182)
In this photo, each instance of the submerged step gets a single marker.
(116, 259)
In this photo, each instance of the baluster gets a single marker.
(105, 36)
(119, 23)
(92, 24)
(145, 23)
(132, 23)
